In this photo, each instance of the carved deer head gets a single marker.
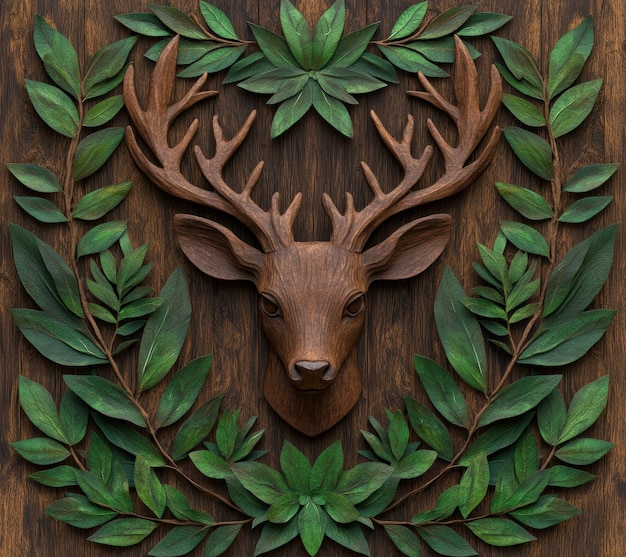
(312, 294)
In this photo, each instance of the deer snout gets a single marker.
(307, 375)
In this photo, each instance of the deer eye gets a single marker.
(269, 306)
(355, 306)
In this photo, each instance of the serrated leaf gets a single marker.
(460, 333)
(165, 332)
(35, 177)
(589, 177)
(41, 450)
(473, 485)
(196, 428)
(533, 151)
(332, 110)
(566, 342)
(56, 340)
(573, 107)
(403, 538)
(586, 406)
(124, 532)
(103, 112)
(58, 56)
(409, 21)
(144, 24)
(54, 107)
(218, 21)
(41, 409)
(290, 111)
(551, 417)
(179, 22)
(411, 61)
(568, 57)
(499, 532)
(525, 238)
(149, 489)
(429, 428)
(526, 112)
(584, 209)
(519, 397)
(79, 512)
(482, 23)
(95, 150)
(213, 61)
(445, 541)
(447, 22)
(107, 63)
(99, 202)
(521, 63)
(40, 209)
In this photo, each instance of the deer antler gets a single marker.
(353, 228)
(272, 228)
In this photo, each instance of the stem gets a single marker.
(212, 37)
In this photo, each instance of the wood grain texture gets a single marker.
(312, 159)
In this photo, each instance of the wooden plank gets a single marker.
(312, 159)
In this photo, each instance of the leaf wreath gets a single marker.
(538, 319)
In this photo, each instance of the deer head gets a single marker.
(312, 294)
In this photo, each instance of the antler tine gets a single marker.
(273, 229)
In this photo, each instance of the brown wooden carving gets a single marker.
(312, 294)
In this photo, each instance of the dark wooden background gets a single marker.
(313, 159)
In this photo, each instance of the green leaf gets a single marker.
(445, 541)
(178, 504)
(349, 536)
(149, 489)
(179, 22)
(332, 110)
(484, 308)
(564, 476)
(101, 113)
(124, 532)
(533, 90)
(327, 469)
(196, 428)
(165, 332)
(351, 81)
(442, 391)
(573, 106)
(509, 495)
(274, 47)
(221, 539)
(358, 483)
(398, 435)
(105, 397)
(214, 61)
(56, 340)
(99, 202)
(496, 438)
(182, 391)
(526, 457)
(415, 464)
(40, 209)
(533, 151)
(499, 532)
(568, 341)
(473, 485)
(519, 397)
(211, 464)
(226, 433)
(526, 112)
(589, 177)
(96, 149)
(586, 406)
(106, 64)
(460, 333)
(139, 308)
(482, 23)
(99, 456)
(247, 67)
(546, 512)
(521, 63)
(584, 209)
(35, 177)
(577, 279)
(289, 112)
(296, 468)
(58, 476)
(411, 61)
(287, 88)
(189, 50)
(144, 24)
(54, 107)
(312, 527)
(78, 511)
(41, 409)
(447, 22)
(334, 88)
(569, 56)
(409, 21)
(440, 51)
(273, 81)
(130, 440)
(429, 428)
(583, 451)
(551, 417)
(404, 538)
(376, 67)
(283, 509)
(108, 85)
(218, 21)
(447, 503)
(352, 47)
(41, 450)
(263, 482)
(525, 238)
(180, 540)
(340, 509)
(274, 536)
(526, 202)
(297, 34)
(58, 56)
(327, 34)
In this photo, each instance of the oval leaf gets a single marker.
(409, 21)
(98, 203)
(124, 532)
(526, 202)
(533, 151)
(526, 112)
(590, 177)
(584, 209)
(93, 151)
(54, 107)
(525, 238)
(586, 406)
(100, 238)
(35, 177)
(573, 106)
(40, 209)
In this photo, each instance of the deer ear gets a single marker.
(409, 250)
(216, 251)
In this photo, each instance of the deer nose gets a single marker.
(320, 369)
